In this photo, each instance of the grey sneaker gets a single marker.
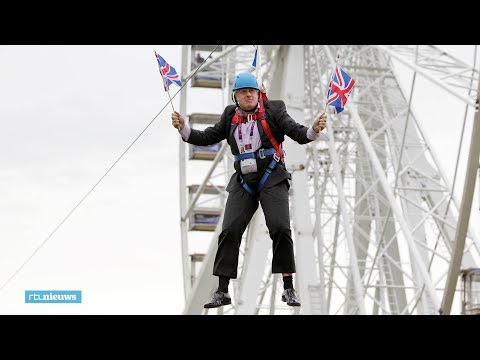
(219, 299)
(290, 297)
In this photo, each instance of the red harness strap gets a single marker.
(260, 115)
(266, 128)
(263, 95)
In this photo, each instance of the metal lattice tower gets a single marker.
(372, 213)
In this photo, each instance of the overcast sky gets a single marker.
(66, 114)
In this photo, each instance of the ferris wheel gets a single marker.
(373, 215)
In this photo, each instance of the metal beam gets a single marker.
(289, 84)
(222, 54)
(395, 207)
(464, 216)
(347, 224)
(418, 69)
(319, 193)
(218, 158)
(183, 185)
(205, 283)
(256, 254)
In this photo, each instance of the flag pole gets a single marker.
(331, 75)
(168, 92)
(258, 72)
(258, 65)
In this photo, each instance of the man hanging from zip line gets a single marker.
(255, 129)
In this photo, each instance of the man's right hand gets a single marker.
(177, 121)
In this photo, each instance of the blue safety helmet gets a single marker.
(245, 80)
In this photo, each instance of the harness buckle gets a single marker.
(261, 153)
(249, 117)
(276, 158)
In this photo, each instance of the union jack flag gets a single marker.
(169, 74)
(339, 89)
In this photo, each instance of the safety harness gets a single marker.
(276, 151)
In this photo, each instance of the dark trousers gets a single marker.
(239, 211)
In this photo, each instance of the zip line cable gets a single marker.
(104, 175)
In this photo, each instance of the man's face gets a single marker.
(247, 98)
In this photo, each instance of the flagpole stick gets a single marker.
(331, 75)
(171, 103)
(258, 72)
(258, 66)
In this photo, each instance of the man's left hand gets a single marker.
(320, 123)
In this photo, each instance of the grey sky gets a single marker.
(66, 114)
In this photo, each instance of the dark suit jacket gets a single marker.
(280, 123)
